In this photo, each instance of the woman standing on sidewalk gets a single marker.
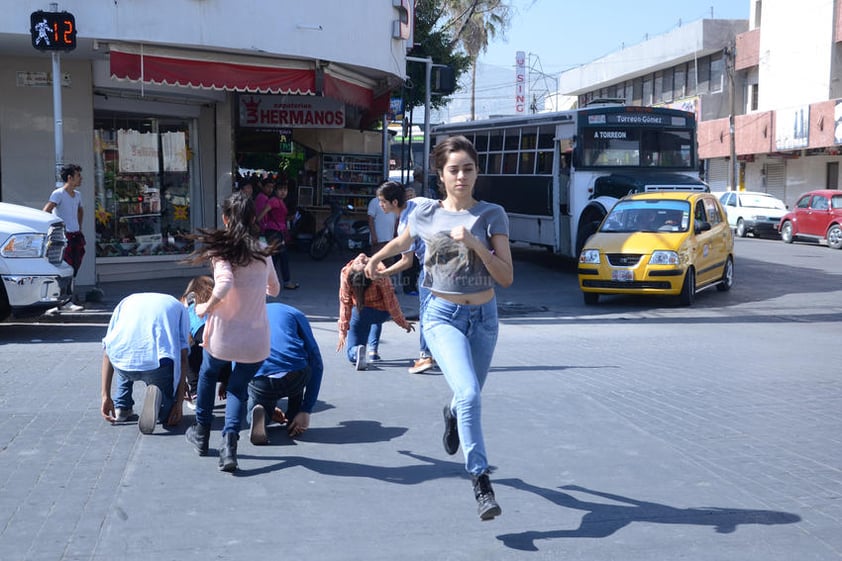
(467, 253)
(237, 329)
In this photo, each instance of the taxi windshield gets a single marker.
(650, 215)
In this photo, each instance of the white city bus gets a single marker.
(558, 174)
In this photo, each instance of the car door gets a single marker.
(799, 212)
(817, 217)
(703, 249)
(721, 238)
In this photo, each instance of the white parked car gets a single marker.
(753, 212)
(33, 276)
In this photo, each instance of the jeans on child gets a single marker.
(235, 399)
(162, 377)
(366, 325)
(266, 391)
(462, 339)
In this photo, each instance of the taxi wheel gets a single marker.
(591, 298)
(688, 289)
(727, 277)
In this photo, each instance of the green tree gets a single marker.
(474, 24)
(433, 38)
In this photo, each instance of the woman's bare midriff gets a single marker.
(474, 299)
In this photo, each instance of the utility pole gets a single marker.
(733, 168)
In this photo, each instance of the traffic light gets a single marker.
(442, 80)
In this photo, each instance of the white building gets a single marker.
(777, 75)
(161, 100)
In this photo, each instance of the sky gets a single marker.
(564, 34)
(561, 34)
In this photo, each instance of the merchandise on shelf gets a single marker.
(353, 178)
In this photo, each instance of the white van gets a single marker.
(33, 275)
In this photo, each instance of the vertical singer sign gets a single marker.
(520, 82)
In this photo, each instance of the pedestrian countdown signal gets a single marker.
(53, 31)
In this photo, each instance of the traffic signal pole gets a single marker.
(59, 126)
(428, 73)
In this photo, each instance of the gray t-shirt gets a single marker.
(449, 266)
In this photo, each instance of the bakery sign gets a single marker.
(291, 112)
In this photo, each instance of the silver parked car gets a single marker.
(753, 212)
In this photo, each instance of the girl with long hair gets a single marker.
(236, 326)
(467, 253)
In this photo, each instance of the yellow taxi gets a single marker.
(666, 243)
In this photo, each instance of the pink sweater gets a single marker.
(237, 329)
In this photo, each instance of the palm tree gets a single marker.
(475, 23)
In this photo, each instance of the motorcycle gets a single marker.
(356, 238)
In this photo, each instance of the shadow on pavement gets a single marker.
(603, 519)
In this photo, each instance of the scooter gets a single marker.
(357, 238)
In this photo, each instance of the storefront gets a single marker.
(304, 140)
(144, 185)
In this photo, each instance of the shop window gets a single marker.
(142, 185)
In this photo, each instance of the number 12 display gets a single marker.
(53, 31)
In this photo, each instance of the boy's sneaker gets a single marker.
(123, 415)
(71, 307)
(422, 365)
(257, 431)
(372, 357)
(151, 407)
(361, 361)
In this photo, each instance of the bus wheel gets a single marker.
(586, 230)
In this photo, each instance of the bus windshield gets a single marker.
(635, 147)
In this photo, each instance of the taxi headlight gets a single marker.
(589, 257)
(663, 257)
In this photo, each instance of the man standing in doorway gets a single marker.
(66, 203)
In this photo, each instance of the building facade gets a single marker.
(789, 130)
(766, 92)
(686, 68)
(161, 101)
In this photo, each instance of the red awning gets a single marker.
(197, 71)
(231, 72)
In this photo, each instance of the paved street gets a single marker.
(632, 430)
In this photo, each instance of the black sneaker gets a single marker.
(451, 432)
(487, 506)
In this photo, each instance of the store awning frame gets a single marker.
(215, 71)
(239, 73)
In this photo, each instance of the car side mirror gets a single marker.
(702, 226)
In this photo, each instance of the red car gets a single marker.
(816, 216)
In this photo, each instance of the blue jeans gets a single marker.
(162, 377)
(423, 295)
(266, 391)
(365, 325)
(462, 339)
(235, 400)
